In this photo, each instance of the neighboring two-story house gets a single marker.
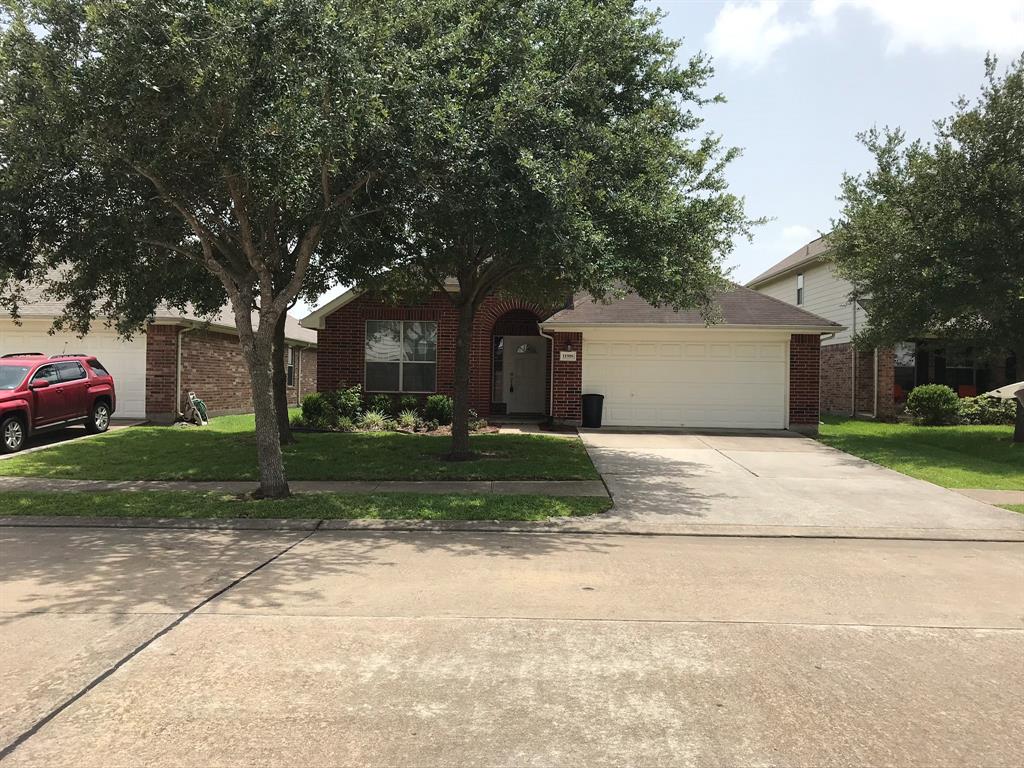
(870, 382)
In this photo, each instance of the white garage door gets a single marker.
(689, 382)
(126, 360)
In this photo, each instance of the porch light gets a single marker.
(568, 346)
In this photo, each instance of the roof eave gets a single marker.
(563, 326)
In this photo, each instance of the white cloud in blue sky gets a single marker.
(748, 33)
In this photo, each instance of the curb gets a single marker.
(595, 527)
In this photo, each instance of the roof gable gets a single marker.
(816, 250)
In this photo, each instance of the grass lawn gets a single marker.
(226, 450)
(953, 457)
(313, 506)
(1014, 507)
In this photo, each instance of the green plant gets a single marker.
(380, 402)
(933, 404)
(475, 422)
(345, 424)
(409, 403)
(319, 411)
(430, 425)
(439, 408)
(348, 401)
(986, 410)
(374, 421)
(409, 419)
(297, 422)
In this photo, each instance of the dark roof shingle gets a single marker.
(737, 306)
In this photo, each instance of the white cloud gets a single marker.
(748, 33)
(798, 234)
(937, 25)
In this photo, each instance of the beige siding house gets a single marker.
(869, 382)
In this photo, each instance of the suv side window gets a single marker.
(72, 371)
(97, 368)
(47, 372)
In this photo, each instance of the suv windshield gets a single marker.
(12, 375)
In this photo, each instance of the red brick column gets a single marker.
(161, 372)
(568, 379)
(804, 371)
(886, 404)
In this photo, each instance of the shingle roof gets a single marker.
(815, 249)
(738, 306)
(38, 306)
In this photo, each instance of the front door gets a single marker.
(525, 360)
(49, 404)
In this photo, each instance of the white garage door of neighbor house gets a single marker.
(126, 360)
(689, 382)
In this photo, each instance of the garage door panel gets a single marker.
(126, 360)
(689, 384)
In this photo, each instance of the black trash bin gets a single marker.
(593, 405)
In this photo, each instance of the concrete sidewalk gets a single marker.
(504, 487)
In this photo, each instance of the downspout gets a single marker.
(177, 374)
(551, 374)
(874, 401)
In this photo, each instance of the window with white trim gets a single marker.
(291, 367)
(799, 289)
(401, 356)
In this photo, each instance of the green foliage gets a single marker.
(374, 421)
(934, 234)
(986, 410)
(409, 403)
(381, 402)
(345, 424)
(933, 404)
(409, 419)
(319, 411)
(439, 408)
(348, 401)
(475, 422)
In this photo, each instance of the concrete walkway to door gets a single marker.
(782, 482)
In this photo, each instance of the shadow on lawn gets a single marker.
(131, 571)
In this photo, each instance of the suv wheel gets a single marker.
(100, 419)
(12, 435)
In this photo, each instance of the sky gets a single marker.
(802, 78)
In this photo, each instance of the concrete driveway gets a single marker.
(742, 482)
(123, 648)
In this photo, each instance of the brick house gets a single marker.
(758, 368)
(872, 382)
(154, 370)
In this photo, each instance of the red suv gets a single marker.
(38, 393)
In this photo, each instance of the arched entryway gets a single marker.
(519, 364)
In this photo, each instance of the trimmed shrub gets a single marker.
(348, 401)
(374, 421)
(319, 411)
(382, 403)
(409, 420)
(439, 408)
(933, 404)
(986, 410)
(409, 403)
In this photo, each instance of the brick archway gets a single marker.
(499, 314)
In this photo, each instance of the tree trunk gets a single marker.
(280, 377)
(460, 417)
(1018, 427)
(258, 351)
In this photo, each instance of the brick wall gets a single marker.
(804, 373)
(341, 343)
(837, 380)
(212, 367)
(568, 379)
(161, 362)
